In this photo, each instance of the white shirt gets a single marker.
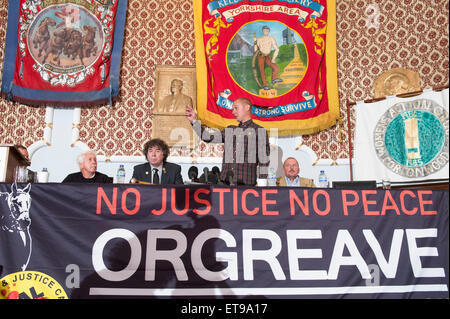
(296, 181)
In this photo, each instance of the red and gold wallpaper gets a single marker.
(372, 37)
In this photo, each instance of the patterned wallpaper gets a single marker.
(18, 123)
(372, 37)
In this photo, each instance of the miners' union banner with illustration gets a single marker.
(63, 52)
(279, 54)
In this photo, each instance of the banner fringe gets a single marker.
(68, 104)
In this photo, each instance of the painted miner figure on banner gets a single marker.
(263, 47)
(262, 70)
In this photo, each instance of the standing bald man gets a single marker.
(246, 146)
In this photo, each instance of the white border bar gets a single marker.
(264, 291)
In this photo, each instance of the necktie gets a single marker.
(155, 178)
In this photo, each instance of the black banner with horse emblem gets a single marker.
(203, 241)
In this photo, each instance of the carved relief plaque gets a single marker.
(396, 81)
(175, 89)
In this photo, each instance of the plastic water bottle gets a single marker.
(42, 176)
(121, 174)
(45, 174)
(272, 177)
(323, 180)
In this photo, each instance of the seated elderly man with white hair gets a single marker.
(88, 170)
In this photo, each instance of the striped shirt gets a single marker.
(246, 147)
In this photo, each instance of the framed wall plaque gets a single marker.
(175, 89)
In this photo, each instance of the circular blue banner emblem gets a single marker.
(412, 138)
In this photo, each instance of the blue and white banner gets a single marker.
(273, 111)
(402, 139)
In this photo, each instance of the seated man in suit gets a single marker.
(157, 170)
(87, 161)
(291, 178)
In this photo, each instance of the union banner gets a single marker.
(279, 54)
(63, 52)
(403, 139)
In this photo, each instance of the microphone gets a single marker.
(216, 171)
(205, 173)
(215, 175)
(193, 173)
(229, 177)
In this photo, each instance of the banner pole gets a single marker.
(349, 141)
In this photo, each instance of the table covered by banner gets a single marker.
(119, 240)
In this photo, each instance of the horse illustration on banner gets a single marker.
(17, 220)
(66, 37)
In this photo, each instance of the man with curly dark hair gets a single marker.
(157, 170)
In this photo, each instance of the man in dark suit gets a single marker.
(157, 170)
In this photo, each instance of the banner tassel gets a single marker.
(110, 96)
(9, 96)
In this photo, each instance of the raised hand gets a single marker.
(191, 115)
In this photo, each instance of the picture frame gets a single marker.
(170, 97)
(175, 89)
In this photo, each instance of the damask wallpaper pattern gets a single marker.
(372, 36)
(18, 123)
